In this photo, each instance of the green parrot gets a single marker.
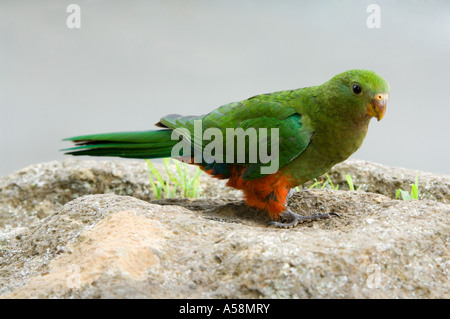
(309, 130)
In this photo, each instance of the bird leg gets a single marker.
(289, 219)
(291, 192)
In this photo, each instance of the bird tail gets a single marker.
(145, 144)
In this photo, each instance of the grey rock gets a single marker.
(382, 179)
(60, 241)
(109, 246)
(35, 192)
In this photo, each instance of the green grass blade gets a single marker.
(331, 183)
(316, 184)
(167, 192)
(159, 191)
(325, 184)
(195, 177)
(173, 178)
(151, 170)
(155, 172)
(405, 194)
(180, 175)
(415, 188)
(350, 182)
(185, 178)
(414, 191)
(152, 182)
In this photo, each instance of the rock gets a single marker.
(382, 179)
(111, 246)
(37, 191)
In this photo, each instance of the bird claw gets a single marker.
(291, 219)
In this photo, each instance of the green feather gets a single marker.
(146, 144)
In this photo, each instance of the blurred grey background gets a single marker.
(132, 62)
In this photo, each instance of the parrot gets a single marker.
(316, 128)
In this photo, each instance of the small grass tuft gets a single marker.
(329, 184)
(321, 184)
(181, 182)
(406, 195)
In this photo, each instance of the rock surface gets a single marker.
(37, 191)
(382, 179)
(71, 230)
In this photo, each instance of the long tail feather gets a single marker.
(145, 144)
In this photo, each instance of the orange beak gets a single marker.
(377, 107)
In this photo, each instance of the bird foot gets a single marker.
(289, 219)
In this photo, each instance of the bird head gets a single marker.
(359, 94)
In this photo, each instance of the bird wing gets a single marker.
(269, 111)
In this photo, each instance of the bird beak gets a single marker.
(377, 106)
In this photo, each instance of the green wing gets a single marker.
(270, 111)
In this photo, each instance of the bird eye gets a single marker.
(356, 88)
